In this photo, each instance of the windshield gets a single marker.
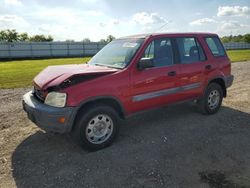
(117, 54)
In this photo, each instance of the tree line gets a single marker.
(237, 38)
(14, 36)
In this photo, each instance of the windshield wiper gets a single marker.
(102, 65)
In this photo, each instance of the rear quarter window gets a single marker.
(215, 46)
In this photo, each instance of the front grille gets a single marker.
(39, 94)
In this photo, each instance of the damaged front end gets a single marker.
(57, 78)
(75, 79)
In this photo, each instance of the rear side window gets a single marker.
(215, 46)
(190, 50)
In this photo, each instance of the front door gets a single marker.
(156, 86)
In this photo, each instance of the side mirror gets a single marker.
(145, 63)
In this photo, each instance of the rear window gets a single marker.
(215, 46)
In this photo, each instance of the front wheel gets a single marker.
(96, 128)
(212, 99)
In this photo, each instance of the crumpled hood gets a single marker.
(55, 75)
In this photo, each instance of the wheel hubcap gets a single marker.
(99, 129)
(213, 99)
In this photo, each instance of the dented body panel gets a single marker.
(55, 75)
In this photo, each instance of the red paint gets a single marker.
(54, 75)
(128, 82)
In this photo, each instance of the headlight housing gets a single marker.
(56, 99)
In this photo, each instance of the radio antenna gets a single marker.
(160, 28)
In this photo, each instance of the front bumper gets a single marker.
(229, 80)
(47, 117)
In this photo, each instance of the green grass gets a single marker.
(239, 55)
(20, 73)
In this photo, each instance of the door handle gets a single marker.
(208, 67)
(172, 73)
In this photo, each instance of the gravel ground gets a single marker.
(171, 147)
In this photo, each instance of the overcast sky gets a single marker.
(95, 19)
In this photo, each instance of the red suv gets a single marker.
(129, 75)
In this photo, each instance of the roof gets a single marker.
(170, 34)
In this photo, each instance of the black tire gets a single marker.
(80, 134)
(205, 106)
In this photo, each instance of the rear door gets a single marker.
(192, 67)
(158, 85)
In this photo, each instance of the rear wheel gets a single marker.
(212, 99)
(96, 128)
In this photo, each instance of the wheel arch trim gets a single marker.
(222, 78)
(99, 99)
